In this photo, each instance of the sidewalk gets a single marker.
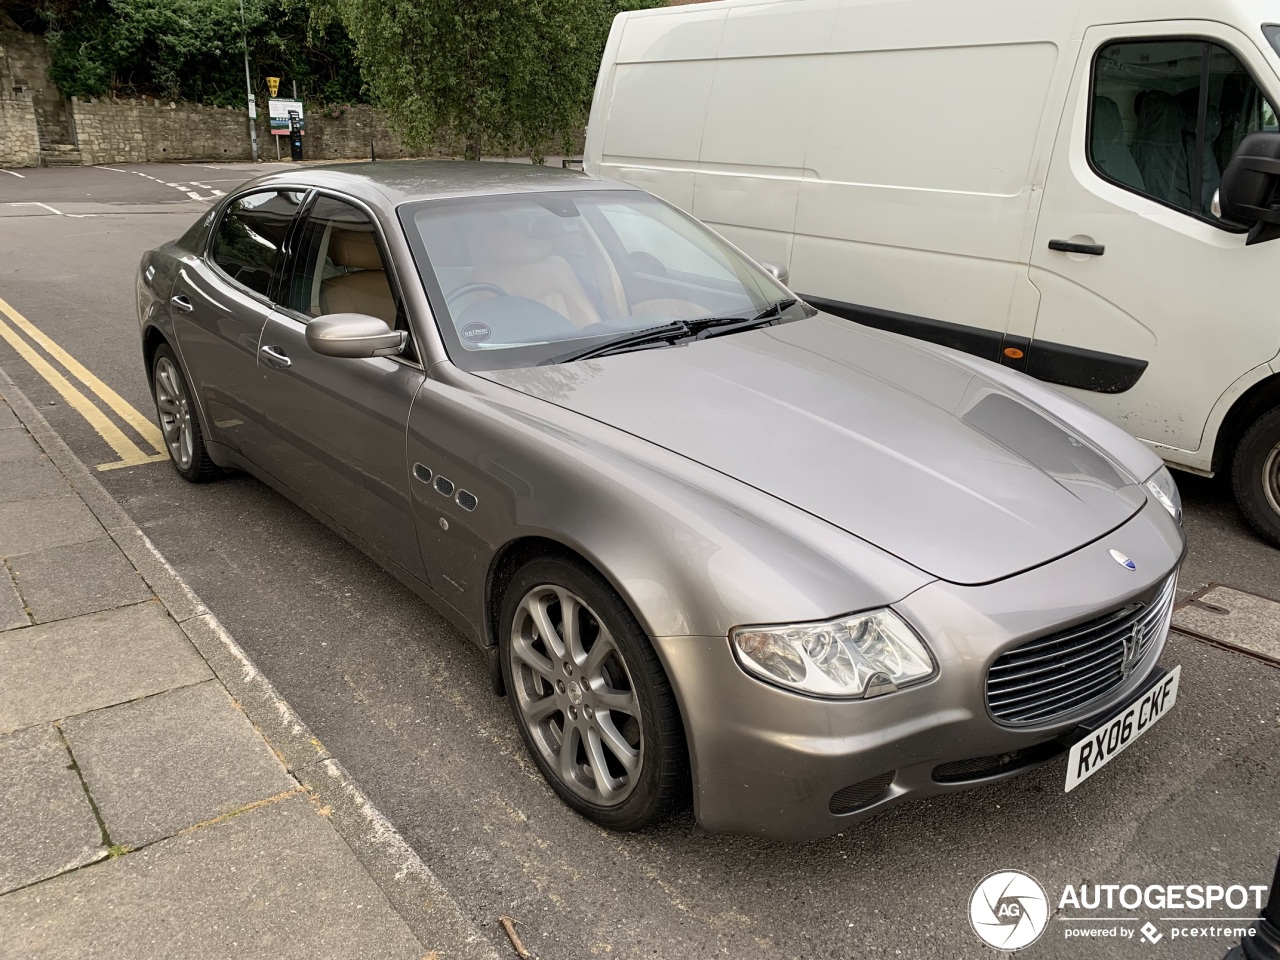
(157, 797)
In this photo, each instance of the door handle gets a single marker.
(1089, 249)
(181, 303)
(275, 357)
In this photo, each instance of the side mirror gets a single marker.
(1249, 193)
(354, 335)
(779, 273)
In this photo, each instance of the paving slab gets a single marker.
(60, 669)
(160, 765)
(1234, 617)
(18, 445)
(31, 479)
(273, 882)
(46, 822)
(27, 525)
(7, 420)
(12, 612)
(77, 579)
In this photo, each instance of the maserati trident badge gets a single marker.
(1124, 561)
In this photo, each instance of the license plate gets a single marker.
(1107, 742)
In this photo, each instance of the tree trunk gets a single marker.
(474, 142)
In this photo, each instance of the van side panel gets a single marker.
(927, 177)
(659, 88)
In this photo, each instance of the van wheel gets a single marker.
(1255, 475)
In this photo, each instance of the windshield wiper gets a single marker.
(715, 326)
(667, 333)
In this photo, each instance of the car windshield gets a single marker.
(518, 280)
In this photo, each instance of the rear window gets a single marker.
(246, 245)
(1273, 34)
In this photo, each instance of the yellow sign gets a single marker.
(273, 85)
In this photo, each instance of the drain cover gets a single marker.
(1233, 618)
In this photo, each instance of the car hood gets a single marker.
(888, 439)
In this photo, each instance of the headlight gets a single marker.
(1162, 487)
(859, 656)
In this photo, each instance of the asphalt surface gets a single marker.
(404, 701)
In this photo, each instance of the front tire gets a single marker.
(590, 697)
(179, 422)
(1255, 475)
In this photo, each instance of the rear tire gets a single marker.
(179, 419)
(1255, 475)
(592, 702)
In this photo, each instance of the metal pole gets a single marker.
(248, 86)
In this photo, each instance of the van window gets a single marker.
(1168, 115)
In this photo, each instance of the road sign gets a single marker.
(273, 85)
(278, 111)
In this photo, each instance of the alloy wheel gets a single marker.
(575, 695)
(1271, 478)
(174, 407)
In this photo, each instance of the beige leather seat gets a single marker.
(364, 289)
(525, 266)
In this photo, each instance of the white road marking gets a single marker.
(20, 176)
(53, 210)
(36, 203)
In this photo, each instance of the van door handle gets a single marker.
(275, 357)
(181, 303)
(1066, 246)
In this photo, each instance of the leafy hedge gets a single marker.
(192, 49)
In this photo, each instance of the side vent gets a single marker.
(466, 500)
(422, 473)
(444, 486)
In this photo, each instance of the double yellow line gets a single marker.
(129, 452)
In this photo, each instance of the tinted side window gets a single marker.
(246, 246)
(1168, 115)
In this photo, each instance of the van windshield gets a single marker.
(531, 278)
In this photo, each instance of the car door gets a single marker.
(220, 303)
(335, 428)
(1150, 306)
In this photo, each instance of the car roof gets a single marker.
(403, 180)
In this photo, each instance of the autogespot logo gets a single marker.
(1009, 910)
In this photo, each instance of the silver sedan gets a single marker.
(716, 544)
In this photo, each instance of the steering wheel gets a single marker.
(469, 288)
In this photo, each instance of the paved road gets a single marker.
(403, 700)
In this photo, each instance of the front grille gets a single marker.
(1052, 676)
(859, 795)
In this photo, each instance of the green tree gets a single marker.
(499, 74)
(192, 49)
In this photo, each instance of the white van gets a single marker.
(1029, 181)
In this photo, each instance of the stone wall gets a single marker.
(22, 79)
(346, 133)
(137, 131)
(19, 139)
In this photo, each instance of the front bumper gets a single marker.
(767, 761)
